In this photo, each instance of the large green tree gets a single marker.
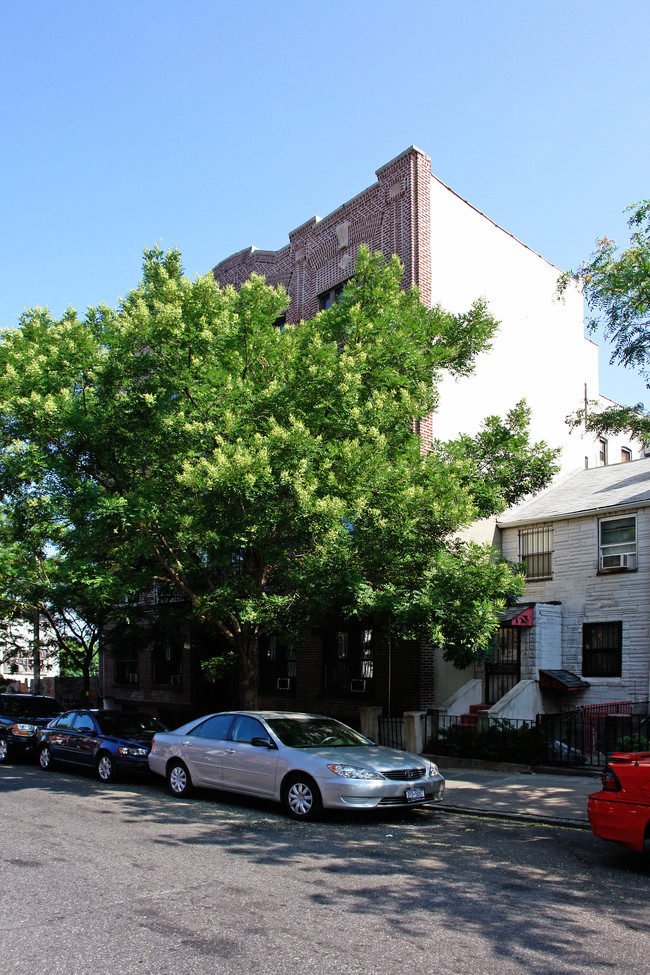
(269, 473)
(617, 291)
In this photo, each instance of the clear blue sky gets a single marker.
(215, 125)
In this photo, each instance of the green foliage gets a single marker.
(617, 290)
(500, 741)
(218, 667)
(500, 465)
(632, 743)
(269, 474)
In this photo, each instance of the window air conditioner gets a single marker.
(620, 561)
(176, 679)
(133, 678)
(358, 686)
(284, 683)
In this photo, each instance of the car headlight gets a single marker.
(432, 771)
(353, 772)
(24, 729)
(132, 752)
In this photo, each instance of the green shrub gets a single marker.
(632, 743)
(500, 741)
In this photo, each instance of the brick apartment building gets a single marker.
(454, 254)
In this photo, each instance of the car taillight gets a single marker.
(610, 780)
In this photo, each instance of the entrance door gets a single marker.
(503, 671)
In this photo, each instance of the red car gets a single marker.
(621, 810)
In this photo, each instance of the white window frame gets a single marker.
(617, 556)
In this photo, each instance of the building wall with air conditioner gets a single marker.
(596, 529)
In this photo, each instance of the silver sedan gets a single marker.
(305, 761)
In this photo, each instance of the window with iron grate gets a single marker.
(602, 649)
(536, 552)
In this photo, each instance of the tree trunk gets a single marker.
(248, 666)
(85, 671)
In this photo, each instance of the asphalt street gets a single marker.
(123, 879)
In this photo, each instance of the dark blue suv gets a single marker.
(21, 716)
(110, 742)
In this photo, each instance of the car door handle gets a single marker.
(230, 751)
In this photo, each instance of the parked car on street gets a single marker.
(21, 715)
(111, 742)
(621, 810)
(307, 762)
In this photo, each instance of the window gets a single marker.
(216, 727)
(168, 661)
(277, 665)
(626, 455)
(602, 452)
(85, 723)
(248, 728)
(65, 721)
(349, 661)
(617, 545)
(126, 667)
(328, 298)
(602, 645)
(536, 552)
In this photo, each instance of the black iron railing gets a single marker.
(585, 736)
(391, 732)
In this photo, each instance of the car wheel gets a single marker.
(106, 769)
(45, 757)
(178, 779)
(301, 798)
(4, 750)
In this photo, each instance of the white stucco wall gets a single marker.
(540, 352)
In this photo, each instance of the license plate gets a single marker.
(412, 795)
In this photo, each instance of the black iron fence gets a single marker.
(391, 732)
(586, 736)
(490, 739)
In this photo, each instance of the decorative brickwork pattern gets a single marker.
(393, 216)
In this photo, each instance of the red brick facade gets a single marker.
(392, 216)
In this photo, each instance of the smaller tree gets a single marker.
(54, 600)
(617, 291)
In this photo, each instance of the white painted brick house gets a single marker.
(584, 622)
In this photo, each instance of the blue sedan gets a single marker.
(110, 742)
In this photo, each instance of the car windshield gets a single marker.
(35, 707)
(125, 724)
(315, 733)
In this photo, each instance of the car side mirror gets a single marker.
(263, 743)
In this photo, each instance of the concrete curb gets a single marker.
(478, 764)
(515, 817)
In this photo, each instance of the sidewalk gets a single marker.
(543, 797)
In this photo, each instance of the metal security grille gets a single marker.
(536, 551)
(502, 672)
(602, 649)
